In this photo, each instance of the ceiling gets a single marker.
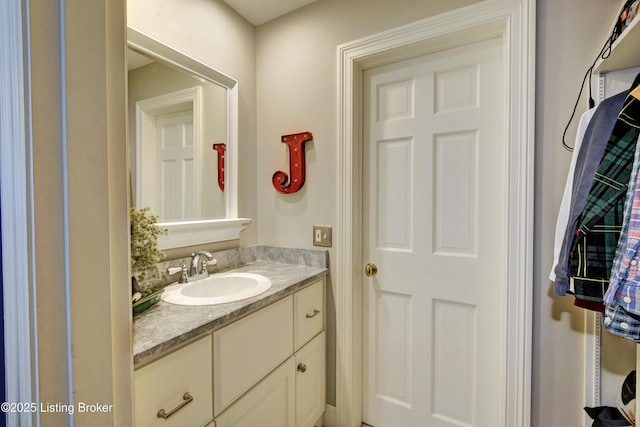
(260, 11)
(255, 11)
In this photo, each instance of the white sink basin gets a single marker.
(217, 289)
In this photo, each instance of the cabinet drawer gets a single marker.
(247, 350)
(308, 313)
(310, 382)
(271, 403)
(162, 385)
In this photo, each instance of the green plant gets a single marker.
(145, 254)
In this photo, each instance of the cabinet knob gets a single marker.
(302, 368)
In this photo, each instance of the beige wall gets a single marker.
(49, 219)
(214, 34)
(78, 134)
(297, 87)
(98, 208)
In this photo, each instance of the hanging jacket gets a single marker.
(596, 237)
(591, 152)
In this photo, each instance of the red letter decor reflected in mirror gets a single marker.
(221, 149)
(290, 184)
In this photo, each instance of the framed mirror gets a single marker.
(183, 132)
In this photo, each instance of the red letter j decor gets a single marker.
(221, 149)
(281, 181)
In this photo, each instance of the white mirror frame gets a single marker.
(196, 232)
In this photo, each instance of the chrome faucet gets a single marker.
(197, 260)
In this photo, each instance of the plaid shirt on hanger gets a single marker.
(594, 245)
(622, 299)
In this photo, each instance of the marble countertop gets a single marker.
(165, 326)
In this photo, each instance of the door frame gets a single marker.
(514, 22)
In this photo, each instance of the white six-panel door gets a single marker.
(175, 168)
(435, 166)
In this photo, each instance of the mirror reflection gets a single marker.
(178, 133)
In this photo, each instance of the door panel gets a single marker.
(176, 171)
(456, 218)
(395, 222)
(435, 202)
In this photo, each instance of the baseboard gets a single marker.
(330, 416)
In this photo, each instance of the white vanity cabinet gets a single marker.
(176, 389)
(292, 395)
(247, 350)
(266, 369)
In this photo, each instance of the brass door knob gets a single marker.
(370, 270)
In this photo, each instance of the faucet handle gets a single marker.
(183, 270)
(204, 263)
(173, 270)
(184, 277)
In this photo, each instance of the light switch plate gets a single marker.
(322, 235)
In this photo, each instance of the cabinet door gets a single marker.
(271, 403)
(308, 313)
(310, 382)
(162, 385)
(247, 350)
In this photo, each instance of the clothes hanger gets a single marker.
(604, 54)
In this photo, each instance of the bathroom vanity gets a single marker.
(260, 361)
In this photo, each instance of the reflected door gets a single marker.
(435, 164)
(175, 169)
